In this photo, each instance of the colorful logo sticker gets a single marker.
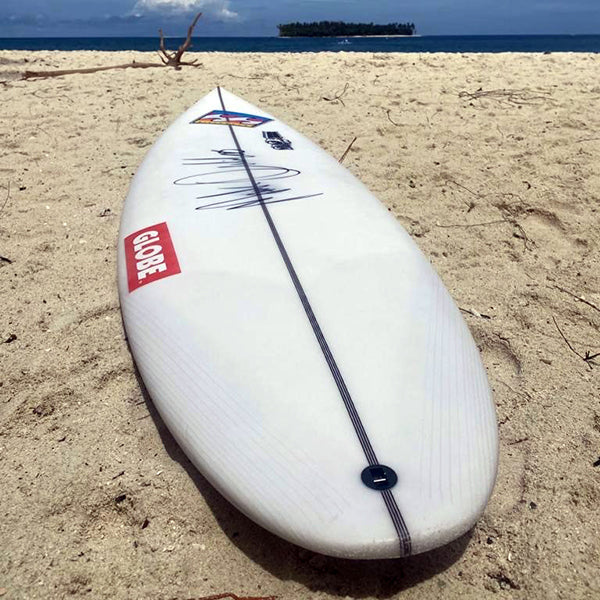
(227, 117)
(150, 256)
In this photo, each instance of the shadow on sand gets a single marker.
(286, 561)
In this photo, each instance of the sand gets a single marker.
(489, 161)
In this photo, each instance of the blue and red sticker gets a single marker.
(228, 117)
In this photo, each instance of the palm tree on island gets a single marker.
(341, 29)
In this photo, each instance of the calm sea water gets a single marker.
(475, 43)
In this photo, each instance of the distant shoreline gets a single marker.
(421, 44)
(298, 37)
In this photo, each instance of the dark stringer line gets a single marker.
(399, 524)
(369, 452)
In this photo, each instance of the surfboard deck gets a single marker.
(296, 342)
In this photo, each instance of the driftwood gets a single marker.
(168, 59)
(47, 74)
(173, 59)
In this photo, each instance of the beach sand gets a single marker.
(489, 161)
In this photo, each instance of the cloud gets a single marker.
(28, 20)
(217, 9)
(106, 20)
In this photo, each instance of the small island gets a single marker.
(341, 29)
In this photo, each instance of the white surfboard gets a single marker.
(298, 345)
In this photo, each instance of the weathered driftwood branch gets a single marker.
(46, 74)
(169, 59)
(173, 59)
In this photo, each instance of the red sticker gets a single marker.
(150, 256)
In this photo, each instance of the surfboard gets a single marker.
(297, 343)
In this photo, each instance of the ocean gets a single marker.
(471, 43)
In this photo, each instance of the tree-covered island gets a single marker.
(341, 29)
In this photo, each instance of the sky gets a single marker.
(82, 18)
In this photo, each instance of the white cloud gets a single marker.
(218, 9)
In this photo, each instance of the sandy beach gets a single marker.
(489, 161)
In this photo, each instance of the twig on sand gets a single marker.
(467, 225)
(36, 93)
(509, 220)
(519, 441)
(588, 358)
(521, 235)
(243, 76)
(464, 187)
(577, 297)
(471, 204)
(169, 59)
(508, 96)
(235, 597)
(510, 212)
(338, 96)
(5, 258)
(387, 112)
(347, 150)
(7, 197)
(472, 311)
(296, 88)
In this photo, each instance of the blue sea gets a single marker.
(471, 43)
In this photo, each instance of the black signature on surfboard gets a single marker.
(227, 171)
